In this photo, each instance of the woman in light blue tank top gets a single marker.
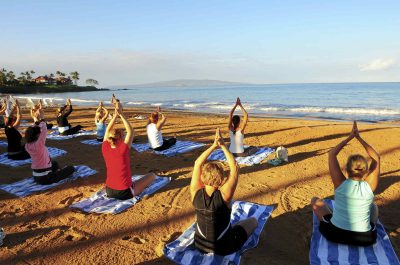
(100, 121)
(353, 219)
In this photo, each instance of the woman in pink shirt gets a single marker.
(45, 171)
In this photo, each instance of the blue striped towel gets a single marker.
(56, 136)
(100, 203)
(91, 142)
(182, 250)
(253, 159)
(28, 186)
(3, 144)
(324, 252)
(53, 152)
(179, 148)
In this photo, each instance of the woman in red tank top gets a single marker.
(116, 153)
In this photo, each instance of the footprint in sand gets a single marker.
(71, 199)
(135, 239)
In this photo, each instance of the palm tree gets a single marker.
(3, 79)
(10, 76)
(91, 81)
(75, 77)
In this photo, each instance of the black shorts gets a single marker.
(231, 241)
(120, 194)
(342, 236)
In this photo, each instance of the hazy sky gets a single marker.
(129, 42)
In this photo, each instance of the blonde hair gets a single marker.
(212, 174)
(357, 166)
(115, 135)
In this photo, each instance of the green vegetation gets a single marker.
(26, 84)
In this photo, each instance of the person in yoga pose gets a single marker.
(353, 219)
(100, 121)
(34, 115)
(15, 150)
(45, 171)
(154, 125)
(116, 153)
(236, 132)
(2, 111)
(64, 128)
(211, 193)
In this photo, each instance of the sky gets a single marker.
(133, 42)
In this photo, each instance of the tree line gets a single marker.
(9, 78)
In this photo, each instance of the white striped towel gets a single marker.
(324, 252)
(182, 250)
(53, 152)
(28, 186)
(3, 144)
(179, 147)
(253, 159)
(91, 142)
(100, 203)
(56, 136)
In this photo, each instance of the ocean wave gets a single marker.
(135, 103)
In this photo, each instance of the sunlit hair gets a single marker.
(32, 134)
(235, 122)
(357, 166)
(153, 118)
(115, 135)
(212, 174)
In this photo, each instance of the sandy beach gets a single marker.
(42, 229)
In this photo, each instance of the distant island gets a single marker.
(25, 83)
(185, 83)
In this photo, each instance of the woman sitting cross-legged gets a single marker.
(212, 192)
(64, 128)
(100, 121)
(15, 149)
(236, 132)
(353, 219)
(154, 125)
(116, 153)
(45, 171)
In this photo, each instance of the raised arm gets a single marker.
(334, 167)
(69, 106)
(229, 187)
(129, 131)
(374, 169)
(245, 116)
(196, 183)
(18, 120)
(110, 125)
(105, 115)
(230, 127)
(161, 121)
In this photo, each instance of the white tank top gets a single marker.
(236, 142)
(154, 136)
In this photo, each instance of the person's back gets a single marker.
(154, 136)
(118, 165)
(213, 220)
(236, 145)
(37, 148)
(14, 140)
(100, 130)
(353, 200)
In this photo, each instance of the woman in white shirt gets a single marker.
(154, 126)
(236, 132)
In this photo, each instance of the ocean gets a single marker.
(370, 102)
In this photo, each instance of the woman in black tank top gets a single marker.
(15, 149)
(212, 192)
